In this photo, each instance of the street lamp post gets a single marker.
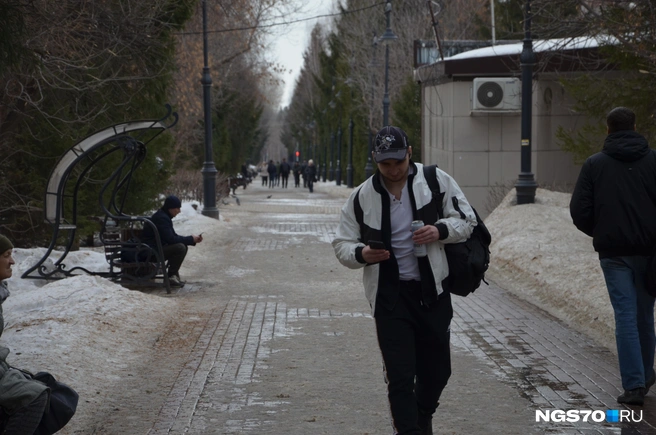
(325, 162)
(349, 167)
(209, 170)
(338, 169)
(331, 170)
(387, 37)
(526, 184)
(369, 167)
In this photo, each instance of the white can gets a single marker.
(420, 250)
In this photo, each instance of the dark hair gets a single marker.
(620, 118)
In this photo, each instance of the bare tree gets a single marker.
(359, 30)
(237, 31)
(76, 55)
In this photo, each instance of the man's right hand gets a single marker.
(197, 239)
(372, 256)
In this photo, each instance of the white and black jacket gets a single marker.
(366, 216)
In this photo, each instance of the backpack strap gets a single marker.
(358, 212)
(431, 179)
(454, 200)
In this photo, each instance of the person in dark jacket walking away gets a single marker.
(22, 401)
(174, 247)
(297, 174)
(614, 202)
(284, 172)
(411, 308)
(271, 169)
(310, 175)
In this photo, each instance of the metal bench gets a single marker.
(132, 262)
(128, 141)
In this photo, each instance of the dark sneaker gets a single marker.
(633, 397)
(178, 278)
(650, 381)
(174, 281)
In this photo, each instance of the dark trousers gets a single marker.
(285, 179)
(310, 185)
(297, 180)
(414, 342)
(175, 255)
(272, 179)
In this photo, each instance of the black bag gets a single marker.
(468, 260)
(650, 279)
(62, 405)
(134, 251)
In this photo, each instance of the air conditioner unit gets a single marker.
(500, 93)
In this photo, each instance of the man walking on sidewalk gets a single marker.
(284, 172)
(411, 308)
(310, 174)
(614, 202)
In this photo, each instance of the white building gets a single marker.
(471, 114)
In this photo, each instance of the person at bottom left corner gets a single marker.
(22, 401)
(174, 247)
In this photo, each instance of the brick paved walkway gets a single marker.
(264, 365)
(548, 363)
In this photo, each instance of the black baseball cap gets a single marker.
(390, 143)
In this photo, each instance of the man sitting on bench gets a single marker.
(174, 247)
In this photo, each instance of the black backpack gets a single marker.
(468, 260)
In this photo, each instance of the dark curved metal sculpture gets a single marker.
(129, 260)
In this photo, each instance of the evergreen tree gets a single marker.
(77, 74)
(407, 109)
(622, 76)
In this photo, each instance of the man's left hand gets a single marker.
(426, 234)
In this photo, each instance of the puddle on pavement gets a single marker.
(515, 363)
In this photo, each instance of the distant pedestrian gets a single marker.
(303, 173)
(310, 175)
(411, 309)
(262, 169)
(285, 169)
(271, 169)
(614, 202)
(297, 174)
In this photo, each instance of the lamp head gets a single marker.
(388, 37)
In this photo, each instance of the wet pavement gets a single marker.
(285, 344)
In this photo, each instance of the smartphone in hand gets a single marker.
(376, 244)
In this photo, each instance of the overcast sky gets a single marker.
(290, 41)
